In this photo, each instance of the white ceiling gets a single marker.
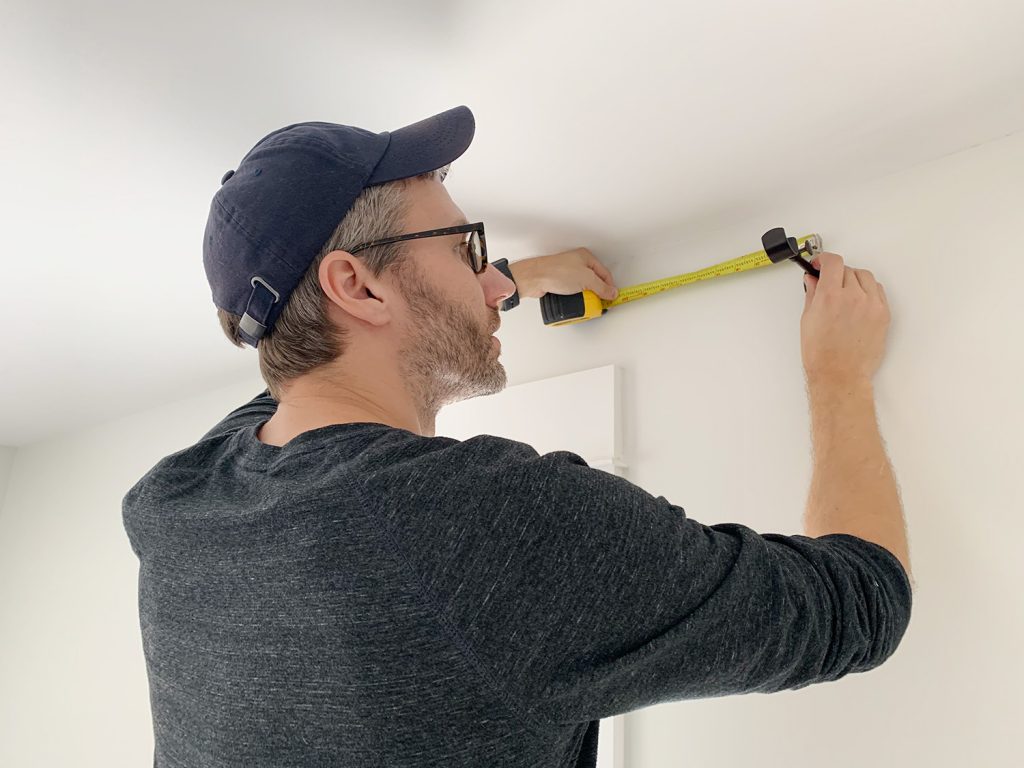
(597, 124)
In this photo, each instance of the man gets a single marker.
(323, 581)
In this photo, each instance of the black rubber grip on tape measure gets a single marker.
(554, 307)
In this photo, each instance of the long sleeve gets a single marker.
(588, 597)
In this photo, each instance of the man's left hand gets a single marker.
(563, 273)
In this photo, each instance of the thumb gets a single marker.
(605, 291)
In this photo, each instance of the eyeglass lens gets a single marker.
(475, 252)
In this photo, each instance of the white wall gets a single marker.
(6, 464)
(715, 418)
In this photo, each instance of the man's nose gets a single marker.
(501, 286)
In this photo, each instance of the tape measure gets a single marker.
(557, 309)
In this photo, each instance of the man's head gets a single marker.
(390, 333)
(410, 315)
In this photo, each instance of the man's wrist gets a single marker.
(524, 277)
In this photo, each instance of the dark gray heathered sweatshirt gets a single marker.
(364, 596)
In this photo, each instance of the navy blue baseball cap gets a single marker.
(273, 214)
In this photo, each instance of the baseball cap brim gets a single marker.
(425, 145)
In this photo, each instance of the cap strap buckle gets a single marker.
(253, 324)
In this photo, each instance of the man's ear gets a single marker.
(345, 280)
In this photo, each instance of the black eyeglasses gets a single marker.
(475, 244)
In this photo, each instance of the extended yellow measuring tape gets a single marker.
(557, 309)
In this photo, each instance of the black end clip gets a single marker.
(781, 248)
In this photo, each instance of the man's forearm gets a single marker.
(853, 489)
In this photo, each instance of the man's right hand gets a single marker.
(844, 324)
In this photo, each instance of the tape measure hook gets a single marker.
(779, 248)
